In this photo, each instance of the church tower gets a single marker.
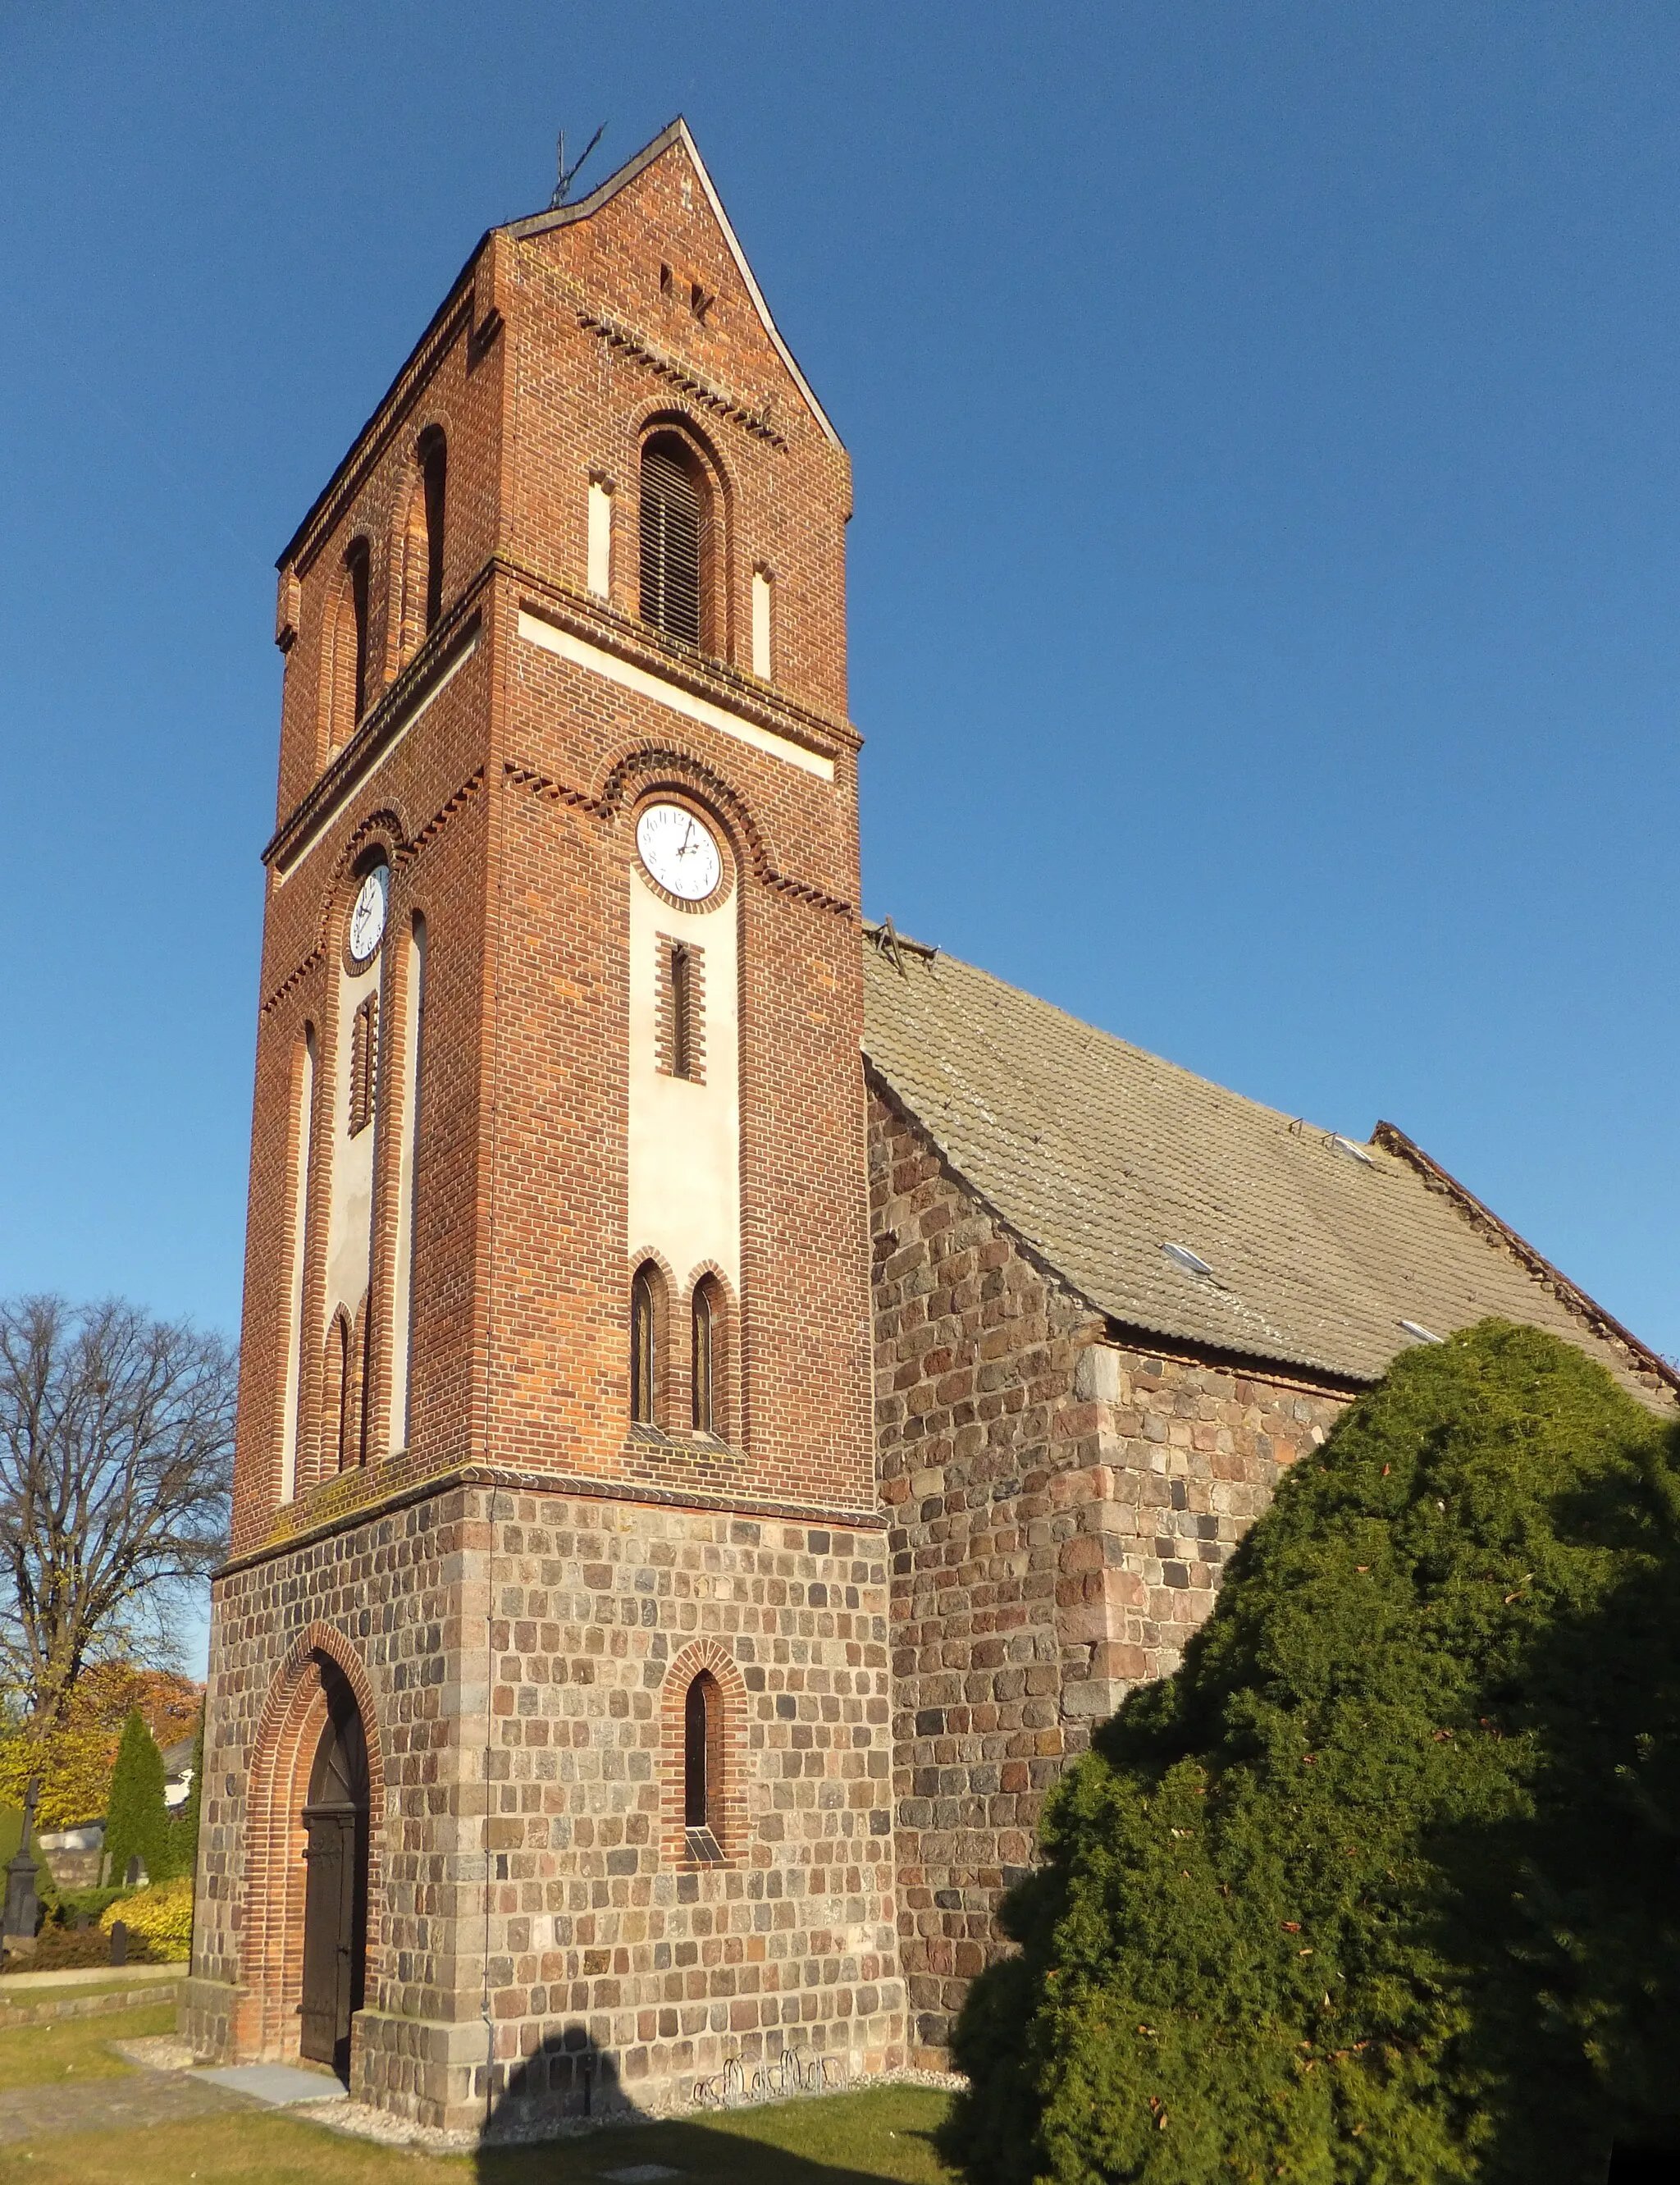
(548, 1759)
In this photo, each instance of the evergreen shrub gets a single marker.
(1382, 1885)
(136, 1819)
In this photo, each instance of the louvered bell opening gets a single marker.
(670, 547)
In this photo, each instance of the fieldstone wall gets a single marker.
(524, 1670)
(1060, 1509)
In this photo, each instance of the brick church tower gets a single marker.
(548, 1757)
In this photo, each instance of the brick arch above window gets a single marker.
(650, 1361)
(682, 536)
(645, 769)
(725, 1424)
(728, 1805)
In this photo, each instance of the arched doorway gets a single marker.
(335, 1895)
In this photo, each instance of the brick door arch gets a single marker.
(271, 1952)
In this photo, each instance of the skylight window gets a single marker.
(1352, 1147)
(1191, 1262)
(1416, 1329)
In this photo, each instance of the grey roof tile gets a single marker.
(1101, 1156)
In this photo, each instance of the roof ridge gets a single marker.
(677, 132)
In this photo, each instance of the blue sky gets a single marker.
(1263, 580)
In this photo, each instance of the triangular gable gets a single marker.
(679, 133)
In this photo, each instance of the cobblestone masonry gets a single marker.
(1059, 1508)
(528, 1850)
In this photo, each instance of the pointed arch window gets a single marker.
(338, 1398)
(703, 1374)
(644, 1345)
(702, 1767)
(672, 539)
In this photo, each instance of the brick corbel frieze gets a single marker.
(672, 762)
(404, 853)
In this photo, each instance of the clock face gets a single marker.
(679, 851)
(367, 920)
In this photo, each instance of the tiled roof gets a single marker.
(1111, 1164)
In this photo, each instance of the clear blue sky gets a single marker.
(1265, 614)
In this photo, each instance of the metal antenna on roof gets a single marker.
(565, 175)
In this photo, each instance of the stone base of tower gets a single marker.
(518, 1657)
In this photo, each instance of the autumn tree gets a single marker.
(73, 1757)
(116, 1446)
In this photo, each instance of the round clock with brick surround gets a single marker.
(367, 918)
(679, 851)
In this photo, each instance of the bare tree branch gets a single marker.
(116, 1456)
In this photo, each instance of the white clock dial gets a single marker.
(367, 920)
(680, 852)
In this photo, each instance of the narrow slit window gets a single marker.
(356, 562)
(642, 1347)
(696, 1813)
(680, 1009)
(762, 595)
(434, 468)
(364, 1063)
(671, 514)
(703, 1768)
(682, 1012)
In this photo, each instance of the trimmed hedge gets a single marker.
(1383, 1885)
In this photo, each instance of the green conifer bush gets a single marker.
(1384, 1885)
(136, 1818)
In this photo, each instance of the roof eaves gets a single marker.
(1177, 1342)
(678, 132)
(1394, 1140)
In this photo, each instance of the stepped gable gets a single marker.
(1100, 1156)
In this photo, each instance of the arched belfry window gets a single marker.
(347, 648)
(644, 1345)
(702, 1766)
(422, 600)
(434, 466)
(673, 509)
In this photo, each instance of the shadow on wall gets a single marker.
(553, 2097)
(567, 2079)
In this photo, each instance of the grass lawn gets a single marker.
(75, 2047)
(119, 1983)
(879, 2135)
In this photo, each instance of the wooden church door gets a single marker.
(335, 1896)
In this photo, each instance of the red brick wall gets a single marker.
(508, 812)
(1060, 1507)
